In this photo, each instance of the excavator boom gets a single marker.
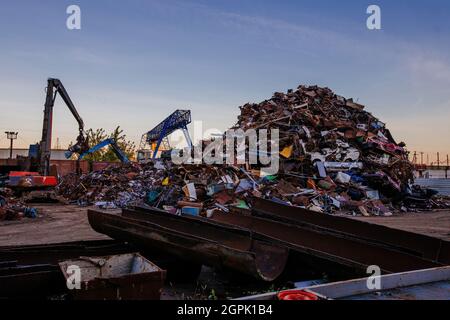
(55, 87)
(117, 151)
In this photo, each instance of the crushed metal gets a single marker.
(334, 156)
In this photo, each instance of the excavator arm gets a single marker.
(55, 87)
(117, 151)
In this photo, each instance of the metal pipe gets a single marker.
(11, 149)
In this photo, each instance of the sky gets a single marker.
(134, 62)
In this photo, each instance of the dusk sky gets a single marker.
(135, 62)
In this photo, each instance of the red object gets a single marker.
(22, 174)
(37, 180)
(297, 295)
(48, 181)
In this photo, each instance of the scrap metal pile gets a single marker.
(12, 208)
(334, 156)
(190, 188)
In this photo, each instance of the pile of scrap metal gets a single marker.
(14, 209)
(334, 156)
(115, 186)
(191, 189)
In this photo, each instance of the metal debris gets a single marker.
(335, 156)
(12, 208)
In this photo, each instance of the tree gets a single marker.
(107, 154)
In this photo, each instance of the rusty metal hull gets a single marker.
(416, 244)
(347, 252)
(320, 243)
(204, 242)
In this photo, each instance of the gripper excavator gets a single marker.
(55, 87)
(38, 161)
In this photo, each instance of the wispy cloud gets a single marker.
(429, 67)
(88, 56)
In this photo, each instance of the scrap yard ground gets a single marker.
(57, 224)
(66, 223)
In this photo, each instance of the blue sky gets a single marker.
(134, 62)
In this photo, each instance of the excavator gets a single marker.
(36, 167)
(37, 164)
(55, 87)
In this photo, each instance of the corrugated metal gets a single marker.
(441, 185)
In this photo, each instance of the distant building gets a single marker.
(56, 154)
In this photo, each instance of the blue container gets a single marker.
(190, 211)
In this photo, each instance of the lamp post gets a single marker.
(11, 136)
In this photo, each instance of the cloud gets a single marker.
(278, 33)
(85, 55)
(429, 67)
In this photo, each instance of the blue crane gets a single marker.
(178, 120)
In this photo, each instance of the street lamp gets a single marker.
(11, 136)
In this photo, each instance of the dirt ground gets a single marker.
(66, 223)
(56, 224)
(434, 224)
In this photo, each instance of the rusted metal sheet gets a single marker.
(181, 235)
(36, 281)
(118, 277)
(53, 253)
(421, 245)
(322, 244)
(345, 251)
(205, 242)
